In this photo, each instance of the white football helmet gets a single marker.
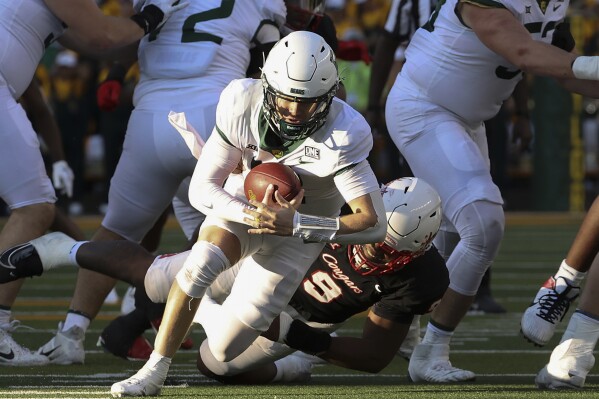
(413, 210)
(300, 68)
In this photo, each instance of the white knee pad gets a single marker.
(203, 265)
(480, 225)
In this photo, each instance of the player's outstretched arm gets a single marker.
(89, 29)
(373, 351)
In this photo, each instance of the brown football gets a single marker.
(285, 180)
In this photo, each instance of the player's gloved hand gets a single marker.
(154, 13)
(63, 177)
(108, 94)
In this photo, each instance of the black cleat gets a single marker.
(18, 262)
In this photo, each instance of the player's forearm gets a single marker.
(363, 227)
(587, 88)
(365, 355)
(92, 28)
(214, 166)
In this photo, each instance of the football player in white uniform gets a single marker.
(183, 67)
(289, 116)
(27, 27)
(461, 65)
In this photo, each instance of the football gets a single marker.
(282, 177)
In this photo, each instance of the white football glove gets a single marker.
(63, 177)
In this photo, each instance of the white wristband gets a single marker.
(315, 228)
(586, 68)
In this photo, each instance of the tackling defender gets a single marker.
(399, 277)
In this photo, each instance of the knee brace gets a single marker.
(203, 265)
(480, 225)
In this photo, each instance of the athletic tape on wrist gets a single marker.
(315, 228)
(586, 68)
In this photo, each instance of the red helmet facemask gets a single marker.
(390, 260)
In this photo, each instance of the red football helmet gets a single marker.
(413, 210)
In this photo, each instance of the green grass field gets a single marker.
(489, 345)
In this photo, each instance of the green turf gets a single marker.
(489, 345)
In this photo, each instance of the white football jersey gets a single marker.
(451, 67)
(202, 48)
(342, 142)
(27, 28)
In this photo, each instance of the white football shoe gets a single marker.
(294, 368)
(547, 310)
(148, 381)
(430, 363)
(568, 366)
(66, 347)
(411, 340)
(13, 354)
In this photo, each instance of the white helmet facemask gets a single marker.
(299, 73)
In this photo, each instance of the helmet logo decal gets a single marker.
(277, 153)
(298, 91)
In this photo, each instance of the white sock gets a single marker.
(5, 316)
(582, 327)
(435, 335)
(75, 319)
(569, 273)
(73, 252)
(159, 366)
(156, 359)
